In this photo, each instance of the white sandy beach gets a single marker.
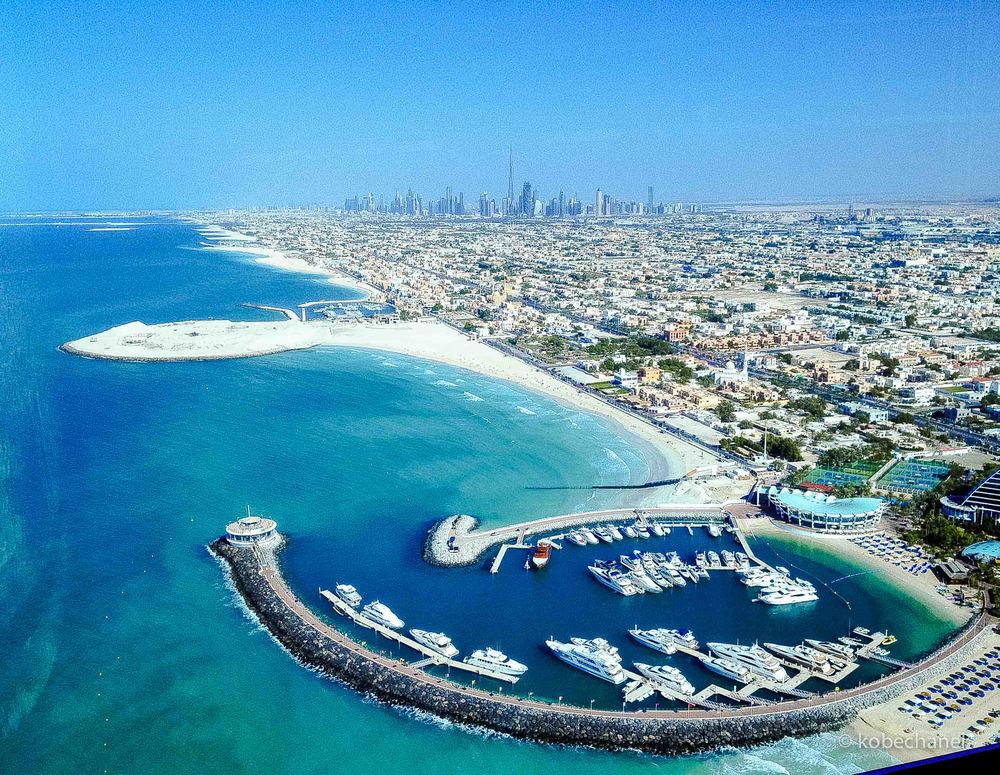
(235, 242)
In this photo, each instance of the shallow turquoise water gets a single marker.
(124, 650)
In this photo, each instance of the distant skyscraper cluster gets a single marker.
(527, 204)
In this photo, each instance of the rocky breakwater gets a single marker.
(320, 646)
(451, 543)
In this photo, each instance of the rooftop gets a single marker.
(251, 526)
(984, 550)
(825, 505)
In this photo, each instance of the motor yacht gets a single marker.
(728, 668)
(664, 640)
(614, 579)
(435, 641)
(597, 662)
(787, 597)
(667, 676)
(808, 657)
(834, 649)
(752, 657)
(380, 613)
(497, 661)
(348, 594)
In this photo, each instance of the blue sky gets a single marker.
(176, 105)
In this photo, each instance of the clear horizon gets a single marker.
(118, 106)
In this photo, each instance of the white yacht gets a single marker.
(668, 676)
(615, 532)
(787, 596)
(752, 657)
(604, 534)
(654, 572)
(700, 560)
(497, 661)
(597, 662)
(598, 643)
(758, 577)
(380, 613)
(642, 580)
(588, 535)
(728, 668)
(641, 530)
(664, 640)
(835, 649)
(435, 641)
(348, 594)
(814, 660)
(657, 529)
(728, 559)
(713, 559)
(614, 579)
(677, 578)
(577, 538)
(714, 530)
(629, 531)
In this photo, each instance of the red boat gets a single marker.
(541, 555)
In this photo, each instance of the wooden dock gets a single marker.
(431, 657)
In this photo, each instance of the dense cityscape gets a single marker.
(823, 329)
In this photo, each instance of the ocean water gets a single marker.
(124, 650)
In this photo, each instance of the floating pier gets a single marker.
(432, 657)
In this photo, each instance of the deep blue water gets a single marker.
(125, 651)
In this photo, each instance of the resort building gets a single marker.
(253, 531)
(983, 502)
(825, 513)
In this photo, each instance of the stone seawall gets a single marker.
(319, 646)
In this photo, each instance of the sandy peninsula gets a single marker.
(225, 240)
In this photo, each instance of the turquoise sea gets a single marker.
(124, 650)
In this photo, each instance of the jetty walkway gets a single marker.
(258, 579)
(432, 657)
(457, 540)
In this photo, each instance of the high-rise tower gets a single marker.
(509, 209)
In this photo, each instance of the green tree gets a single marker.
(726, 411)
